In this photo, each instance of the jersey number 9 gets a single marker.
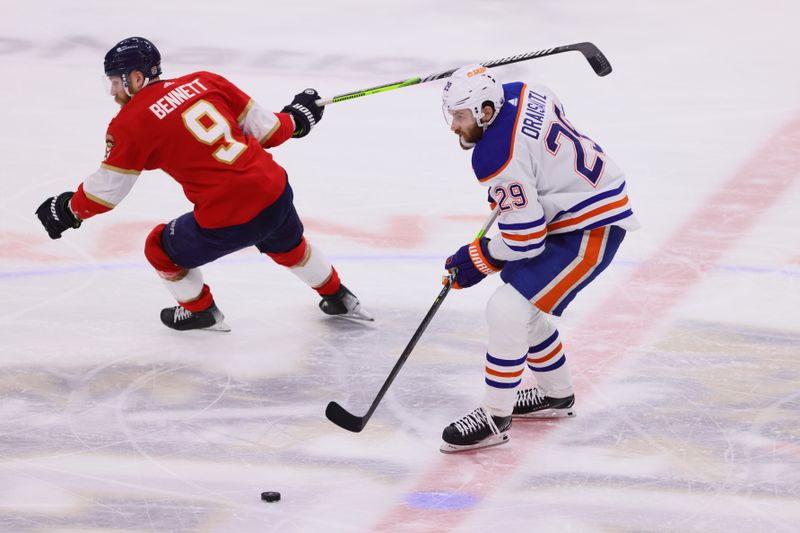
(213, 128)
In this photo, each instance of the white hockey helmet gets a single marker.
(469, 88)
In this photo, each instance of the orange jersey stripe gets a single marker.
(577, 220)
(505, 374)
(590, 258)
(525, 237)
(548, 356)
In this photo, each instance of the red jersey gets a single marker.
(204, 132)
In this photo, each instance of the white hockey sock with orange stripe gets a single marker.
(546, 358)
(508, 314)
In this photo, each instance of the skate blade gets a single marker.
(547, 413)
(494, 440)
(357, 314)
(219, 326)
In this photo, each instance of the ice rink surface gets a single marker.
(686, 351)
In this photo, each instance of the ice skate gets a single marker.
(182, 319)
(532, 403)
(475, 430)
(344, 304)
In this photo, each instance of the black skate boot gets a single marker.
(345, 304)
(475, 430)
(182, 319)
(532, 403)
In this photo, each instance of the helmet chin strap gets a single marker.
(467, 145)
(483, 125)
(127, 88)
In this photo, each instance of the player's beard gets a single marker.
(472, 135)
(122, 98)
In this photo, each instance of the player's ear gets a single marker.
(136, 79)
(488, 112)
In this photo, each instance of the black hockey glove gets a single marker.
(305, 111)
(56, 216)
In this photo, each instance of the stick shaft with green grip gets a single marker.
(593, 55)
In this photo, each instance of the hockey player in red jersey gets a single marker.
(211, 138)
(564, 211)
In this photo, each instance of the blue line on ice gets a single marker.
(441, 500)
(741, 269)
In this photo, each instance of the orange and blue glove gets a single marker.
(471, 263)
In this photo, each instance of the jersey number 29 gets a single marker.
(561, 128)
(214, 128)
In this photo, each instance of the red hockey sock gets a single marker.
(157, 257)
(330, 286)
(291, 258)
(201, 303)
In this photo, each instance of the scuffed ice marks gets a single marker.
(132, 513)
(167, 408)
(700, 429)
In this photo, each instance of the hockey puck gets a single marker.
(271, 496)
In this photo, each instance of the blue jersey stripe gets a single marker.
(589, 201)
(542, 345)
(608, 221)
(506, 362)
(521, 225)
(554, 366)
(525, 248)
(498, 385)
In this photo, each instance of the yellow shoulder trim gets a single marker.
(97, 200)
(245, 111)
(120, 170)
(269, 134)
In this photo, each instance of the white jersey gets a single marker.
(545, 176)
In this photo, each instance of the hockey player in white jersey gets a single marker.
(564, 211)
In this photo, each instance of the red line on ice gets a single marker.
(652, 290)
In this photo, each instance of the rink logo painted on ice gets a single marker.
(274, 59)
(177, 97)
(394, 232)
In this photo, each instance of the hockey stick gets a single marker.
(593, 55)
(346, 420)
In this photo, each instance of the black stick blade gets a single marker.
(597, 60)
(342, 418)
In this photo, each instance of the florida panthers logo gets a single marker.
(109, 144)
